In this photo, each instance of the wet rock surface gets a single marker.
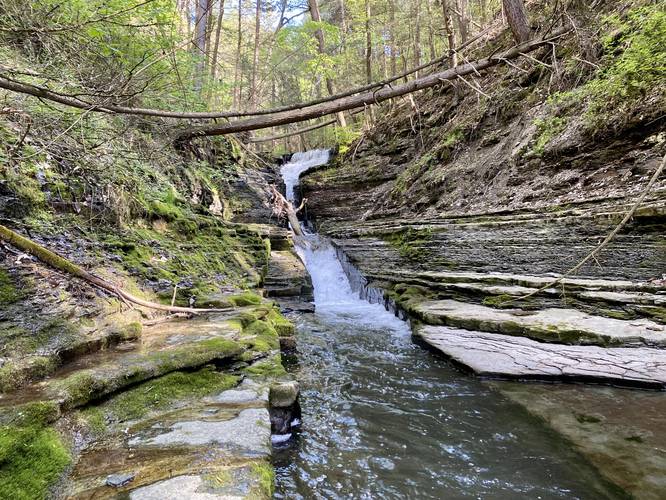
(455, 241)
(503, 356)
(621, 432)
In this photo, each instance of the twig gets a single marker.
(606, 241)
(474, 88)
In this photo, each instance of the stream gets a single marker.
(384, 418)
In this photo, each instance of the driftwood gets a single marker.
(368, 98)
(283, 208)
(56, 261)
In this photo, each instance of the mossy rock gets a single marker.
(157, 394)
(9, 293)
(33, 456)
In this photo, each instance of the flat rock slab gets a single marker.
(248, 434)
(566, 326)
(287, 276)
(234, 484)
(247, 392)
(621, 432)
(495, 355)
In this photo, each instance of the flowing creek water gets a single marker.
(384, 418)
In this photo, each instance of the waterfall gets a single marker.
(299, 163)
(334, 294)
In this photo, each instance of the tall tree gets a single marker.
(516, 16)
(368, 43)
(254, 96)
(448, 31)
(417, 35)
(392, 32)
(463, 19)
(239, 46)
(199, 42)
(319, 34)
(431, 34)
(216, 46)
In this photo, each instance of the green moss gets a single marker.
(282, 325)
(130, 331)
(265, 475)
(270, 367)
(453, 137)
(547, 130)
(8, 291)
(198, 263)
(165, 208)
(260, 336)
(88, 385)
(37, 413)
(655, 313)
(32, 459)
(245, 299)
(409, 243)
(161, 392)
(501, 301)
(633, 67)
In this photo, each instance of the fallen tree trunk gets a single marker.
(299, 131)
(367, 98)
(14, 85)
(283, 208)
(60, 263)
(292, 133)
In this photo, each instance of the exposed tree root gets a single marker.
(56, 261)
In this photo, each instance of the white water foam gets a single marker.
(334, 296)
(299, 163)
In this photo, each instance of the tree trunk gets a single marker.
(216, 47)
(364, 99)
(254, 97)
(368, 44)
(200, 42)
(209, 34)
(450, 35)
(394, 48)
(431, 35)
(343, 22)
(463, 19)
(516, 16)
(316, 17)
(417, 35)
(237, 72)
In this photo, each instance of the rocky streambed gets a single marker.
(460, 278)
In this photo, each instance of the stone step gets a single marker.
(287, 277)
(654, 292)
(505, 356)
(564, 326)
(107, 372)
(220, 443)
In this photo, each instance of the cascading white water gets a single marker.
(333, 292)
(299, 163)
(382, 419)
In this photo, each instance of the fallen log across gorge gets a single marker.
(62, 264)
(368, 98)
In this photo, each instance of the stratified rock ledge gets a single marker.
(506, 356)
